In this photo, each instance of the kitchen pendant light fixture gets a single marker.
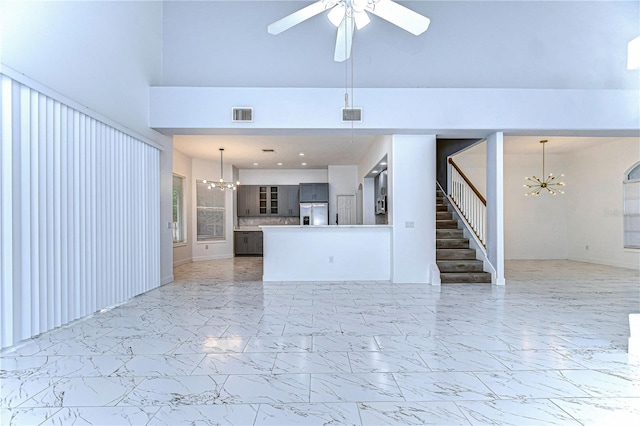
(548, 183)
(221, 184)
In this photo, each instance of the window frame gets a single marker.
(179, 226)
(223, 210)
(635, 215)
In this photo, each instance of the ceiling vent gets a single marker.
(352, 114)
(242, 115)
(268, 151)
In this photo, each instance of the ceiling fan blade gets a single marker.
(399, 15)
(296, 17)
(344, 39)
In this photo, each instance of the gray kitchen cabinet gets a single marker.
(289, 200)
(247, 243)
(248, 201)
(314, 192)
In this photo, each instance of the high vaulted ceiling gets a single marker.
(469, 44)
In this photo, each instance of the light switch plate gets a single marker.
(409, 225)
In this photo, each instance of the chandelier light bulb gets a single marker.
(547, 183)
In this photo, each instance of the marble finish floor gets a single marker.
(218, 346)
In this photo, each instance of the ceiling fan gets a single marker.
(349, 14)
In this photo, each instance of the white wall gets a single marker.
(331, 253)
(282, 177)
(535, 227)
(561, 227)
(343, 180)
(594, 203)
(182, 164)
(103, 55)
(477, 43)
(205, 250)
(412, 175)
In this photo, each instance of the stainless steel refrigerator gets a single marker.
(314, 213)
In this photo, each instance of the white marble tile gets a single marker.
(307, 414)
(16, 391)
(146, 346)
(386, 362)
(244, 363)
(518, 412)
(461, 361)
(226, 414)
(530, 384)
(107, 416)
(314, 362)
(411, 413)
(275, 388)
(176, 390)
(460, 342)
(442, 386)
(602, 411)
(534, 360)
(26, 416)
(212, 345)
(605, 383)
(279, 344)
(340, 343)
(160, 365)
(409, 343)
(84, 392)
(354, 387)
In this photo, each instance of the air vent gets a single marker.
(268, 150)
(242, 115)
(351, 114)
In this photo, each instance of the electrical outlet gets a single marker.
(330, 259)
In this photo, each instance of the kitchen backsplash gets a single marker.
(258, 221)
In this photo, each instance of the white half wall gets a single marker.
(327, 253)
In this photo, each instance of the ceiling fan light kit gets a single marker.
(349, 14)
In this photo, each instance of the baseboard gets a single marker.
(614, 264)
(182, 262)
(219, 256)
(166, 280)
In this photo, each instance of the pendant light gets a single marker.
(221, 184)
(548, 183)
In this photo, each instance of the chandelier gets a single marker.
(221, 184)
(548, 183)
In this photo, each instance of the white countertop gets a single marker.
(247, 228)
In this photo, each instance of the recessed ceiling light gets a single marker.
(383, 163)
(301, 154)
(304, 164)
(279, 164)
(374, 171)
(255, 164)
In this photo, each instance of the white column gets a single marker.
(495, 205)
(412, 179)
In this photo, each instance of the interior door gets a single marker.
(346, 209)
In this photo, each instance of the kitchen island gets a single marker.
(327, 253)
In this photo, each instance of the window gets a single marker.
(179, 234)
(210, 211)
(631, 212)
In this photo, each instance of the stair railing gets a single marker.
(469, 201)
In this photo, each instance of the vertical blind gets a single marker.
(79, 214)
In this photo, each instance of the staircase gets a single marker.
(456, 261)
